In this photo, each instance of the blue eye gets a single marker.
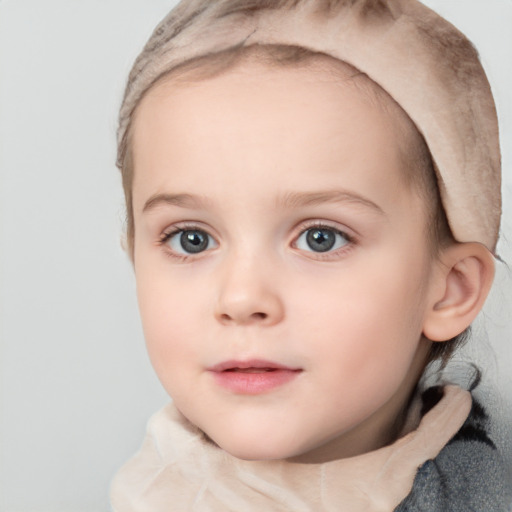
(190, 241)
(321, 239)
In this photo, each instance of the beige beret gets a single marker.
(428, 66)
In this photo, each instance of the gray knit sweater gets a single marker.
(469, 474)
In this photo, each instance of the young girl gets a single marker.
(313, 201)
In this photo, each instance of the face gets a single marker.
(281, 262)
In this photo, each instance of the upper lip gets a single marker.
(251, 363)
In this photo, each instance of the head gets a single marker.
(283, 207)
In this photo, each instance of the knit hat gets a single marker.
(422, 61)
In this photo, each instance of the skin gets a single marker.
(247, 147)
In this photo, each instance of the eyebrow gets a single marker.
(289, 200)
(181, 200)
(299, 199)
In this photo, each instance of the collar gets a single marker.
(177, 467)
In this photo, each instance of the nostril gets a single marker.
(254, 317)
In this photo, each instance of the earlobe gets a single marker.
(461, 284)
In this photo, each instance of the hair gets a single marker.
(419, 172)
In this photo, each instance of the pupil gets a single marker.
(194, 241)
(321, 240)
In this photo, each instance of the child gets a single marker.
(313, 200)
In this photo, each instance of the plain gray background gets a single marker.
(76, 386)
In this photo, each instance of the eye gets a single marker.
(190, 241)
(321, 239)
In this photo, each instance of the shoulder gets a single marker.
(469, 474)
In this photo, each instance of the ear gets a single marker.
(460, 284)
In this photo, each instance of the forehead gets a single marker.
(259, 60)
(257, 66)
(258, 121)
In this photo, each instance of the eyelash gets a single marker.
(305, 227)
(174, 230)
(330, 254)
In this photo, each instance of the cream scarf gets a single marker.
(178, 470)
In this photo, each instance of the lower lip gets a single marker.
(254, 383)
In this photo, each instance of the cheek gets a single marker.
(168, 322)
(364, 348)
(367, 318)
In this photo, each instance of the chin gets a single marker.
(251, 450)
(257, 455)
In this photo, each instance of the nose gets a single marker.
(249, 294)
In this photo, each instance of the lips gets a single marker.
(256, 365)
(252, 377)
(251, 370)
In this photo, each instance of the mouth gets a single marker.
(251, 366)
(252, 377)
(251, 370)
